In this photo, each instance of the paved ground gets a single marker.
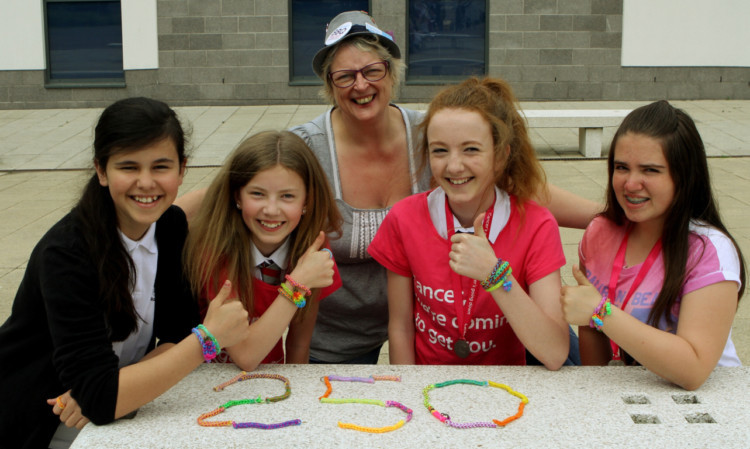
(45, 154)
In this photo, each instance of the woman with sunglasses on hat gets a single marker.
(367, 145)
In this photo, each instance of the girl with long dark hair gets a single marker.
(104, 286)
(660, 276)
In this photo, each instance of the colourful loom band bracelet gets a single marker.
(203, 419)
(492, 277)
(296, 297)
(326, 400)
(210, 336)
(597, 319)
(597, 309)
(446, 419)
(498, 277)
(207, 346)
(296, 284)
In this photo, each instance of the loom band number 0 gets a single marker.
(446, 419)
(203, 419)
(327, 400)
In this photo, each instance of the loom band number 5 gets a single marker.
(327, 400)
(409, 413)
(203, 419)
(446, 419)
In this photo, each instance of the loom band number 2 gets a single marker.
(203, 419)
(327, 400)
(446, 419)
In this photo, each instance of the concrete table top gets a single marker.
(572, 408)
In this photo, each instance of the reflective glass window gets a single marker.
(84, 41)
(447, 39)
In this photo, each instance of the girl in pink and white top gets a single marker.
(478, 225)
(660, 276)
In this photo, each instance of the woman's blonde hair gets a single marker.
(493, 99)
(219, 242)
(368, 44)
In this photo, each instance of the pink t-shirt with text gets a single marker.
(409, 244)
(712, 258)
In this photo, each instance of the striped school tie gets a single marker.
(270, 272)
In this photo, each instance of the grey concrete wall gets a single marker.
(237, 52)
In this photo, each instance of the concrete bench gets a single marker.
(588, 121)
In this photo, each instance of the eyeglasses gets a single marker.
(371, 72)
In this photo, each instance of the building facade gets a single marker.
(227, 52)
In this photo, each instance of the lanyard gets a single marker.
(461, 347)
(614, 278)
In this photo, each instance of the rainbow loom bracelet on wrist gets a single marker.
(498, 277)
(325, 399)
(493, 288)
(251, 425)
(596, 311)
(210, 336)
(604, 309)
(500, 267)
(296, 284)
(208, 347)
(296, 297)
(445, 418)
(507, 284)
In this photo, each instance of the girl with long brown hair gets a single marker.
(660, 276)
(262, 226)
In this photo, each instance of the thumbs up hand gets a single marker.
(227, 318)
(579, 301)
(472, 255)
(315, 268)
(580, 277)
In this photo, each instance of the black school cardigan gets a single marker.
(56, 337)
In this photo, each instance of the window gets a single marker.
(84, 43)
(447, 40)
(307, 24)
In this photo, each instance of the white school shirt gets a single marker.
(280, 257)
(145, 255)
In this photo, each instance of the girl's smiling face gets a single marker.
(462, 160)
(143, 183)
(641, 179)
(272, 204)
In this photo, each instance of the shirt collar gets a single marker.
(147, 242)
(279, 257)
(436, 205)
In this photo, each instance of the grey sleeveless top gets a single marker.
(354, 319)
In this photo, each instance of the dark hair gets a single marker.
(693, 199)
(124, 126)
(219, 242)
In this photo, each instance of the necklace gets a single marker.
(462, 347)
(254, 425)
(329, 389)
(445, 418)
